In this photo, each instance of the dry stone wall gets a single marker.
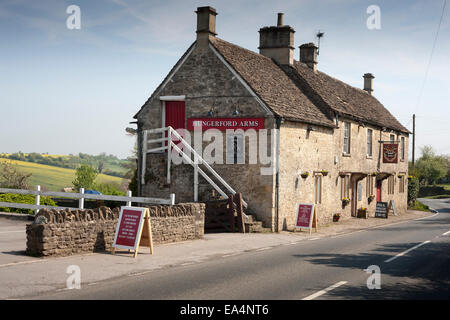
(64, 232)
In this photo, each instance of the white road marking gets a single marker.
(231, 254)
(405, 252)
(427, 217)
(262, 249)
(135, 274)
(446, 233)
(322, 292)
(23, 231)
(313, 239)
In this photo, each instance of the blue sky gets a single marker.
(67, 91)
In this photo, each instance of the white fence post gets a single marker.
(81, 201)
(169, 149)
(172, 199)
(129, 195)
(37, 199)
(195, 177)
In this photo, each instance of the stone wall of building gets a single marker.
(322, 149)
(208, 85)
(64, 232)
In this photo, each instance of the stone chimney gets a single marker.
(277, 42)
(206, 24)
(308, 55)
(368, 82)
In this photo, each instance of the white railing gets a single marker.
(81, 196)
(198, 160)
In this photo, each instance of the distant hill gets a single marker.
(103, 163)
(54, 178)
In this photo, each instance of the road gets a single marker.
(413, 257)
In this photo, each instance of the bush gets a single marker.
(426, 191)
(12, 177)
(109, 189)
(413, 190)
(23, 198)
(84, 177)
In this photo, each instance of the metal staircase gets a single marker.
(189, 154)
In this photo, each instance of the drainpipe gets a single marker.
(139, 156)
(279, 120)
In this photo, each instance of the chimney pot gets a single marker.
(206, 23)
(368, 82)
(308, 55)
(280, 19)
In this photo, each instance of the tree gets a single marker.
(12, 177)
(84, 177)
(100, 166)
(430, 168)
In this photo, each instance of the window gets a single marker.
(369, 186)
(345, 187)
(318, 189)
(401, 184)
(369, 142)
(347, 137)
(391, 185)
(235, 149)
(402, 148)
(392, 138)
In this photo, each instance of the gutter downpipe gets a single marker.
(140, 159)
(279, 120)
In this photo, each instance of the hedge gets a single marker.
(23, 198)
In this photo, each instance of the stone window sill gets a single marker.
(369, 157)
(346, 154)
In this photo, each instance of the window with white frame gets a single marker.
(347, 137)
(369, 142)
(402, 148)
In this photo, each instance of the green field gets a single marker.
(55, 178)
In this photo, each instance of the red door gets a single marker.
(378, 191)
(175, 115)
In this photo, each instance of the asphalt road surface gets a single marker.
(413, 257)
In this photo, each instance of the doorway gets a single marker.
(379, 190)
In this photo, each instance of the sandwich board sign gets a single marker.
(133, 230)
(381, 210)
(306, 216)
(392, 206)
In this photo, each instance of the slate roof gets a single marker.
(272, 84)
(298, 93)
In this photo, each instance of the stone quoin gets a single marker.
(321, 125)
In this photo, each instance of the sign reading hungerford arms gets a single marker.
(225, 123)
(390, 153)
(306, 216)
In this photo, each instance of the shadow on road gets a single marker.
(421, 274)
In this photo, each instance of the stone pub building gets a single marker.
(325, 136)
